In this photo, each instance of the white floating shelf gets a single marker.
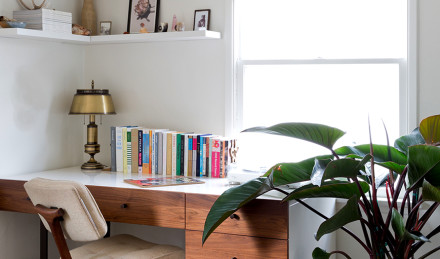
(158, 36)
(110, 39)
(44, 35)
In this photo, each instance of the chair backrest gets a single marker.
(83, 220)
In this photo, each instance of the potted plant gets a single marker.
(348, 172)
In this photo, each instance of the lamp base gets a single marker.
(92, 165)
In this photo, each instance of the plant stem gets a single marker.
(427, 215)
(343, 228)
(395, 197)
(364, 230)
(342, 253)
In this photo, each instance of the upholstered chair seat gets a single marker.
(68, 210)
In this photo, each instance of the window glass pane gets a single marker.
(309, 29)
(339, 95)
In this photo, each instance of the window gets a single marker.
(340, 63)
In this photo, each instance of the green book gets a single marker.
(178, 154)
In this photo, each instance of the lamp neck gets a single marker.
(92, 119)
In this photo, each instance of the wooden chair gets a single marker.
(68, 210)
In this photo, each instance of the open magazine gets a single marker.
(163, 181)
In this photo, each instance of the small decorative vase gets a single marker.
(88, 16)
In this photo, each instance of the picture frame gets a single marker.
(202, 19)
(143, 16)
(105, 28)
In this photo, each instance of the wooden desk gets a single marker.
(260, 232)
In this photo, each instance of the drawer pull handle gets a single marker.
(234, 216)
(234, 257)
(123, 206)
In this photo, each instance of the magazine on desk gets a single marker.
(163, 181)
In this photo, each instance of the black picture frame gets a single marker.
(143, 12)
(202, 19)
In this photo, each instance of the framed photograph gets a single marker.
(143, 16)
(105, 28)
(201, 20)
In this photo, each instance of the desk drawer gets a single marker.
(13, 197)
(140, 206)
(260, 218)
(227, 246)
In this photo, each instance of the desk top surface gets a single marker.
(214, 186)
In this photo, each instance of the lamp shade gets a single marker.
(92, 101)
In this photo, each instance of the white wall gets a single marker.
(177, 85)
(37, 82)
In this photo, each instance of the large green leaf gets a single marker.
(392, 166)
(412, 139)
(381, 153)
(347, 214)
(318, 170)
(400, 230)
(319, 253)
(334, 189)
(316, 133)
(232, 200)
(430, 192)
(345, 167)
(288, 173)
(430, 129)
(423, 161)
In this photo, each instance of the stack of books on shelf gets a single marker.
(166, 152)
(45, 20)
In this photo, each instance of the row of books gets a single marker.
(170, 153)
(45, 20)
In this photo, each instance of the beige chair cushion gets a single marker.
(125, 247)
(83, 220)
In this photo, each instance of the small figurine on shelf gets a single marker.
(80, 30)
(173, 28)
(163, 27)
(180, 26)
(143, 29)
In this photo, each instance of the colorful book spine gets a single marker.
(159, 153)
(134, 150)
(174, 154)
(198, 156)
(145, 152)
(140, 152)
(169, 153)
(206, 170)
(124, 150)
(128, 141)
(215, 153)
(119, 160)
(185, 155)
(190, 152)
(113, 148)
(178, 153)
(151, 152)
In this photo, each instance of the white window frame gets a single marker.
(407, 82)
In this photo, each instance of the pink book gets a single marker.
(215, 165)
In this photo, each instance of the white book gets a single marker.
(185, 156)
(159, 152)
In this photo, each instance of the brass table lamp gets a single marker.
(92, 102)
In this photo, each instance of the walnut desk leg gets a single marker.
(43, 241)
